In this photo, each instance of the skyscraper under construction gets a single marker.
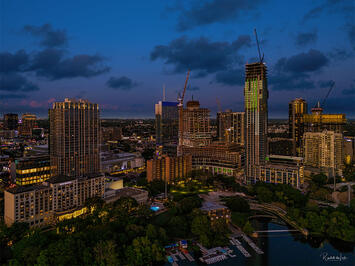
(74, 138)
(256, 119)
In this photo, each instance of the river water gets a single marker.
(290, 249)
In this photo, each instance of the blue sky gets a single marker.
(120, 53)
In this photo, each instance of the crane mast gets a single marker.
(181, 114)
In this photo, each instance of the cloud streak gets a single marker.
(122, 83)
(49, 37)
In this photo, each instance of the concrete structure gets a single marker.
(31, 170)
(216, 211)
(10, 122)
(74, 137)
(115, 163)
(169, 168)
(28, 122)
(140, 195)
(281, 169)
(324, 150)
(318, 122)
(217, 158)
(297, 108)
(196, 125)
(256, 119)
(230, 127)
(42, 204)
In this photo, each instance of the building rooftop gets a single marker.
(22, 189)
(62, 178)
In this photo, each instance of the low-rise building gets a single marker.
(216, 211)
(140, 195)
(116, 163)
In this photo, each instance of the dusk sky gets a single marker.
(120, 53)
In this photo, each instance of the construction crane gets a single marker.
(319, 107)
(181, 112)
(326, 96)
(221, 117)
(261, 58)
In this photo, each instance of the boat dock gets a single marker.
(252, 244)
(239, 246)
(189, 257)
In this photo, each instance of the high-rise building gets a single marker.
(169, 168)
(297, 108)
(166, 126)
(317, 121)
(74, 138)
(256, 119)
(10, 121)
(324, 150)
(196, 125)
(230, 127)
(349, 150)
(28, 122)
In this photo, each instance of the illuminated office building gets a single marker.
(256, 119)
(32, 170)
(166, 126)
(74, 138)
(10, 121)
(230, 127)
(28, 122)
(297, 108)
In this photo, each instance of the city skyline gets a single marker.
(124, 71)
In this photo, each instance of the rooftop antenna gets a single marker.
(163, 92)
(261, 58)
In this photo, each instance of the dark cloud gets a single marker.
(121, 83)
(350, 91)
(306, 38)
(50, 63)
(338, 54)
(200, 55)
(15, 82)
(13, 62)
(293, 73)
(291, 81)
(12, 96)
(351, 35)
(207, 12)
(345, 7)
(50, 37)
(230, 77)
(311, 61)
(193, 88)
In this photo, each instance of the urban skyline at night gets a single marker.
(121, 61)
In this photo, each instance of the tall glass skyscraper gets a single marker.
(297, 108)
(166, 125)
(74, 138)
(256, 119)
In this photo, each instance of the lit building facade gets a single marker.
(58, 196)
(169, 168)
(196, 125)
(10, 121)
(74, 138)
(32, 170)
(217, 158)
(349, 150)
(28, 122)
(166, 122)
(297, 108)
(230, 127)
(256, 119)
(324, 150)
